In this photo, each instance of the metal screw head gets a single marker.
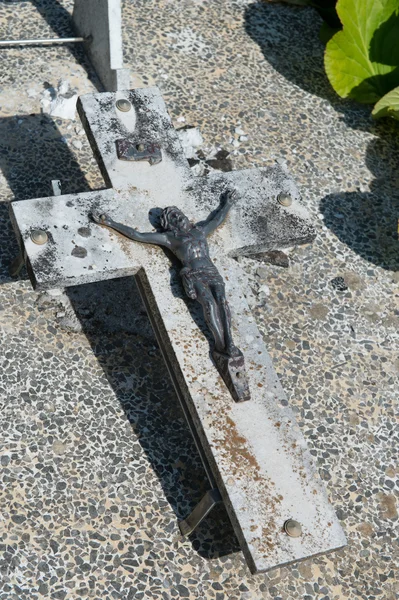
(38, 236)
(293, 528)
(285, 199)
(123, 105)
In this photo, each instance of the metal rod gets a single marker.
(41, 42)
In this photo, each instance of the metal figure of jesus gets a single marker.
(201, 279)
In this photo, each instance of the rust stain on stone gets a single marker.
(237, 446)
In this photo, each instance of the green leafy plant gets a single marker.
(362, 50)
(388, 106)
(362, 60)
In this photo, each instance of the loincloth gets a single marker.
(208, 276)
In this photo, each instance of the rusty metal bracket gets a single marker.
(200, 511)
(134, 151)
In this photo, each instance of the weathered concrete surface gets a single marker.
(256, 451)
(101, 21)
(258, 222)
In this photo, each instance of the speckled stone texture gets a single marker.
(96, 459)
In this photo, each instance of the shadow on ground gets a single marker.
(289, 39)
(112, 316)
(366, 222)
(32, 154)
(60, 21)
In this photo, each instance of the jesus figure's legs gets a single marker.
(224, 311)
(212, 315)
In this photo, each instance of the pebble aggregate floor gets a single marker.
(96, 461)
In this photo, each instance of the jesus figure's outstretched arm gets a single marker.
(217, 217)
(159, 239)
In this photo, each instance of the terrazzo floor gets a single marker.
(96, 461)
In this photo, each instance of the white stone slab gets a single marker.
(255, 449)
(101, 21)
(257, 453)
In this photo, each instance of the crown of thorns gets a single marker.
(165, 216)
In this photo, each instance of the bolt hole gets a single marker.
(238, 375)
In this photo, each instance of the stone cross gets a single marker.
(254, 454)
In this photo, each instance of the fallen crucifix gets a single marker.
(201, 281)
(253, 452)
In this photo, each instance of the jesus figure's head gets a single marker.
(173, 219)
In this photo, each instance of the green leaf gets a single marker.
(388, 106)
(362, 60)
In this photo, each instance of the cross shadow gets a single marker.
(61, 23)
(32, 154)
(106, 311)
(112, 316)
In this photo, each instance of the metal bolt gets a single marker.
(285, 199)
(123, 105)
(293, 528)
(38, 236)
